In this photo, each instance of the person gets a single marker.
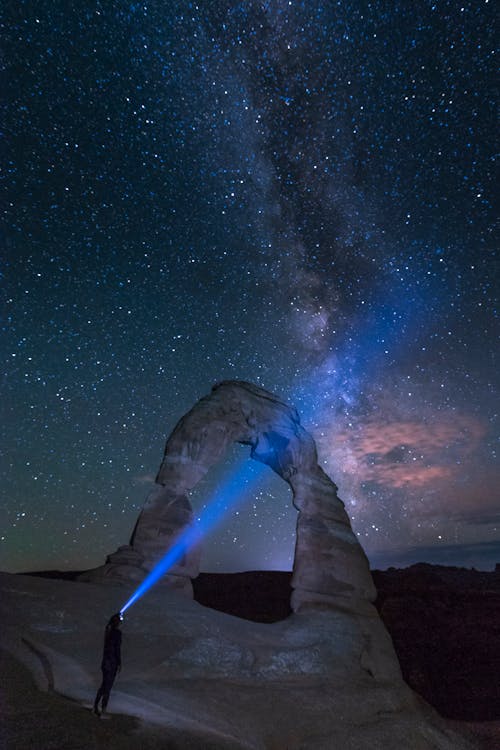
(111, 661)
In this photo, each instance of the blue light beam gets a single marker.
(248, 473)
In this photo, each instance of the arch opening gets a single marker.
(246, 563)
(258, 528)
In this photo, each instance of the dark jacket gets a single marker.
(112, 657)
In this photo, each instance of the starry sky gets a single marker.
(296, 194)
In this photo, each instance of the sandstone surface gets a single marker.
(206, 679)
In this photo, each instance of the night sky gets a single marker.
(297, 194)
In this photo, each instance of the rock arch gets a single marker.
(330, 569)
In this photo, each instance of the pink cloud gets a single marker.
(406, 453)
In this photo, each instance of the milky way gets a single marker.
(297, 194)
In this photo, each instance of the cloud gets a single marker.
(470, 502)
(405, 453)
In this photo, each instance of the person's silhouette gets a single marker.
(111, 661)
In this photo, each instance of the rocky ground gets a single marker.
(31, 718)
(414, 602)
(37, 720)
(444, 622)
(48, 721)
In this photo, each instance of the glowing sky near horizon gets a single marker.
(297, 194)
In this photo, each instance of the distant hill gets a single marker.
(445, 625)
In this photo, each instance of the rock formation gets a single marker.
(326, 676)
(330, 568)
(205, 680)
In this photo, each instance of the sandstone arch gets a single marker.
(330, 568)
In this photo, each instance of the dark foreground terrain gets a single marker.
(33, 720)
(444, 622)
(445, 625)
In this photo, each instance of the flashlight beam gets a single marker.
(207, 520)
(185, 541)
